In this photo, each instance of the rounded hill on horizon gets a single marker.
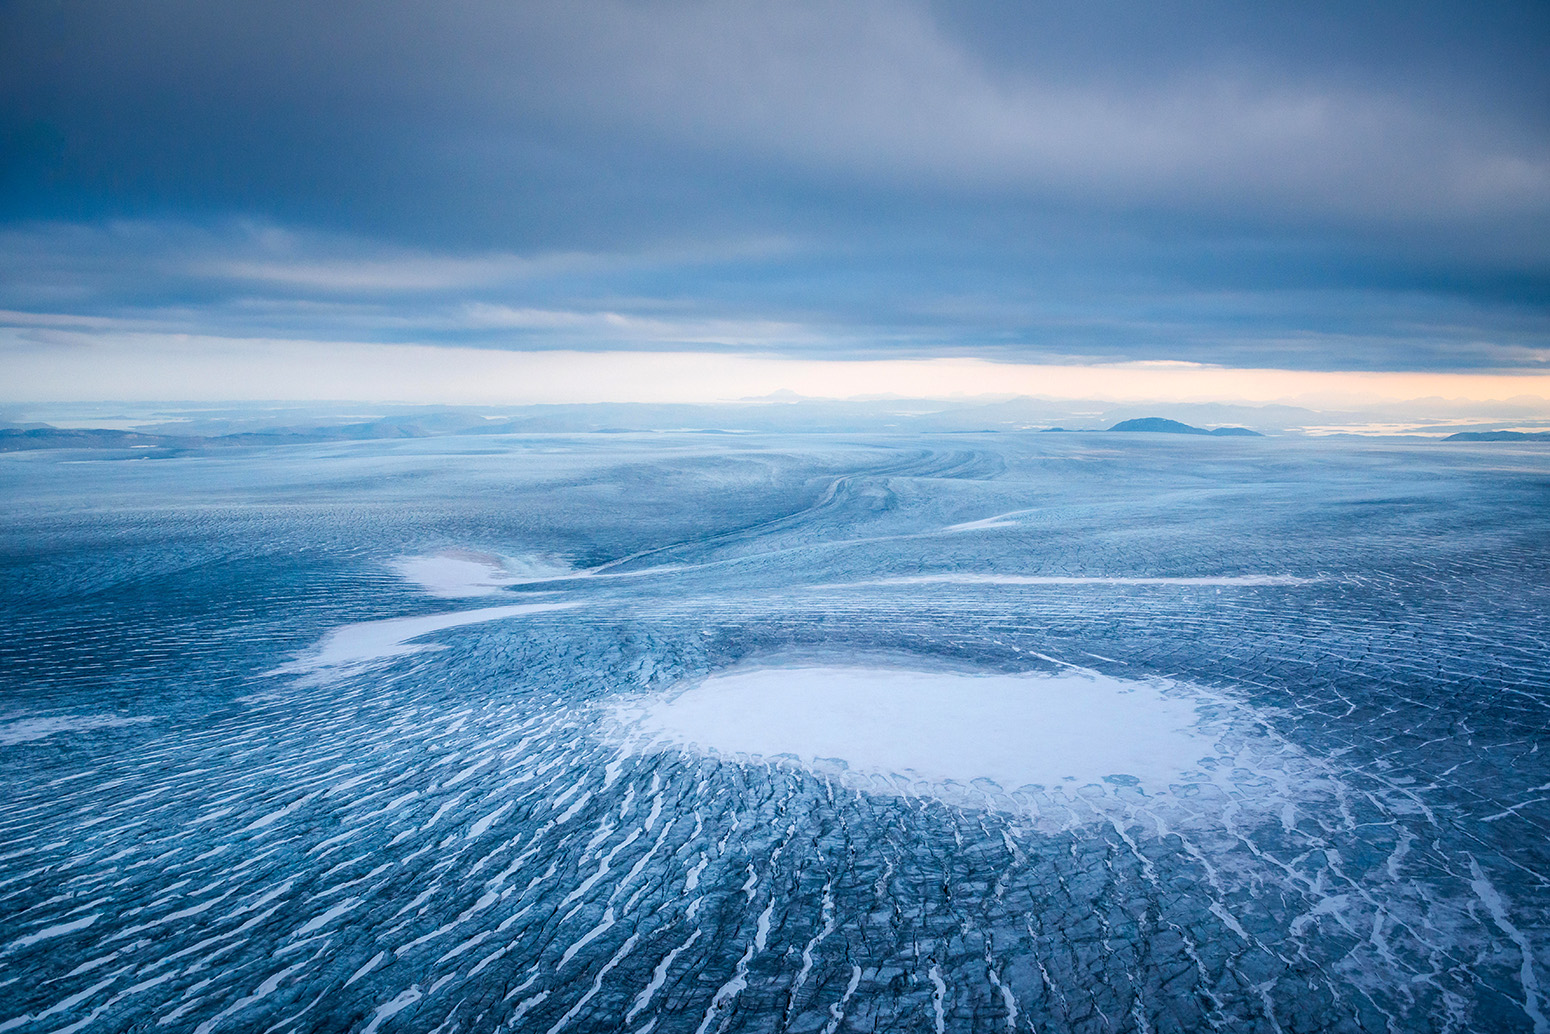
(1162, 425)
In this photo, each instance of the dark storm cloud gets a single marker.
(1360, 185)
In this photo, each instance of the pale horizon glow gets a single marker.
(156, 368)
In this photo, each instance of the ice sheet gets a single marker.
(1015, 730)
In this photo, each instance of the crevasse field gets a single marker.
(702, 733)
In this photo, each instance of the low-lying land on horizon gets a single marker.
(181, 427)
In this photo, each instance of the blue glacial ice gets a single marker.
(677, 732)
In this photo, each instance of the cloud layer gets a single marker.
(1306, 186)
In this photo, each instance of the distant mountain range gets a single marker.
(1499, 436)
(1161, 425)
(171, 438)
(16, 439)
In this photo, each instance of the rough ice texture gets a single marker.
(1014, 730)
(452, 839)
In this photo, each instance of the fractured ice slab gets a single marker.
(937, 726)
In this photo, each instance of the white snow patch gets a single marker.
(375, 959)
(587, 938)
(1529, 980)
(837, 1010)
(349, 648)
(390, 1009)
(938, 992)
(1000, 520)
(459, 574)
(1014, 730)
(58, 930)
(659, 977)
(318, 922)
(957, 578)
(27, 729)
(479, 828)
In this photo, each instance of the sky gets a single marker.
(526, 201)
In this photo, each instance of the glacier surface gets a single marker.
(814, 733)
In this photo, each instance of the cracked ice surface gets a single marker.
(429, 798)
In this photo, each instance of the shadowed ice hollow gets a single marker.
(933, 726)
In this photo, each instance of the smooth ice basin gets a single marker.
(1016, 730)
